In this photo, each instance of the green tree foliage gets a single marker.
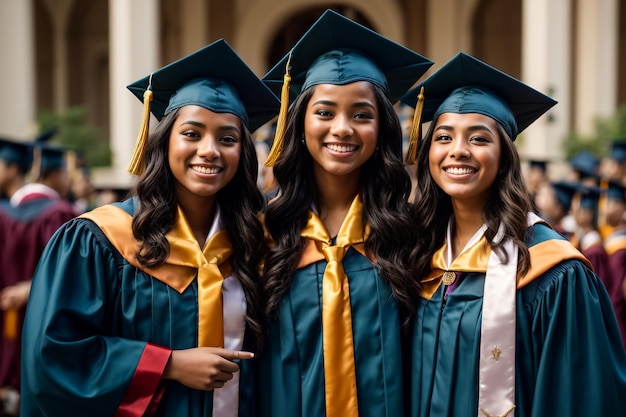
(74, 132)
(606, 130)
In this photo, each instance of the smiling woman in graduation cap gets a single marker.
(145, 307)
(338, 274)
(511, 319)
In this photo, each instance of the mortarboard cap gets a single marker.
(539, 164)
(616, 191)
(618, 151)
(585, 163)
(589, 197)
(336, 50)
(215, 78)
(565, 192)
(467, 85)
(50, 157)
(20, 153)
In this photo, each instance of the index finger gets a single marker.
(235, 355)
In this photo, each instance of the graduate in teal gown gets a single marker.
(512, 321)
(338, 275)
(151, 306)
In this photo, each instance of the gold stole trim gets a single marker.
(338, 343)
(614, 243)
(184, 263)
(543, 256)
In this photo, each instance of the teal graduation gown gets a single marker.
(98, 333)
(569, 357)
(292, 366)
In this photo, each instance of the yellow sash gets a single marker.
(338, 344)
(184, 262)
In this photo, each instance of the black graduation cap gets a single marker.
(51, 156)
(565, 192)
(467, 85)
(336, 50)
(20, 153)
(618, 151)
(585, 163)
(616, 191)
(214, 77)
(540, 164)
(589, 197)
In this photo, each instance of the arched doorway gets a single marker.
(287, 35)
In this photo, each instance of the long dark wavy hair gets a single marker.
(240, 202)
(385, 188)
(509, 204)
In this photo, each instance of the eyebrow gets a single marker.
(202, 125)
(473, 128)
(357, 104)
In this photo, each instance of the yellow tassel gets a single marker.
(136, 163)
(602, 201)
(71, 164)
(35, 170)
(416, 129)
(10, 324)
(279, 137)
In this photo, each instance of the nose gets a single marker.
(207, 148)
(459, 149)
(341, 126)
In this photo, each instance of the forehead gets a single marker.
(194, 113)
(466, 120)
(352, 92)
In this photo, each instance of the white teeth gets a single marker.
(341, 148)
(459, 171)
(204, 170)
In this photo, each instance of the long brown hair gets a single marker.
(385, 187)
(240, 202)
(509, 204)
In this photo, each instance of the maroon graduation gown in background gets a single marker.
(28, 227)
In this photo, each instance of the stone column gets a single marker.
(546, 66)
(596, 37)
(17, 72)
(134, 32)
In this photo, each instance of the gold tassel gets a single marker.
(279, 137)
(602, 225)
(416, 129)
(136, 163)
(10, 324)
(70, 161)
(35, 170)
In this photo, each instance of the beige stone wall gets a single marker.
(76, 52)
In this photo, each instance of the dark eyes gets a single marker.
(228, 139)
(476, 139)
(192, 134)
(358, 115)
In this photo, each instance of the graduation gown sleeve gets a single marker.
(78, 359)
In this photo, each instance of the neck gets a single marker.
(467, 220)
(335, 196)
(200, 216)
